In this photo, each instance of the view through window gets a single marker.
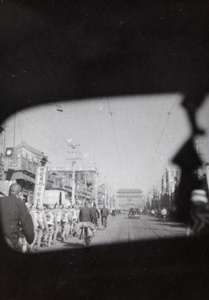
(112, 156)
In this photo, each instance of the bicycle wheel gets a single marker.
(104, 223)
(87, 239)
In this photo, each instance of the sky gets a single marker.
(131, 140)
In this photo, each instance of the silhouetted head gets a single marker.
(15, 189)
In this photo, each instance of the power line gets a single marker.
(57, 132)
(111, 116)
(35, 125)
(166, 123)
(163, 131)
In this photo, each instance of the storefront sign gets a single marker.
(40, 186)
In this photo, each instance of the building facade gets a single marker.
(1, 167)
(130, 198)
(169, 183)
(62, 178)
(20, 164)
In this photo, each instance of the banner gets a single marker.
(40, 186)
(52, 197)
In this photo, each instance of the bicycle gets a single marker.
(86, 234)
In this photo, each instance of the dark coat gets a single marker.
(104, 212)
(15, 219)
(94, 213)
(85, 214)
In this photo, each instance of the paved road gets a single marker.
(122, 229)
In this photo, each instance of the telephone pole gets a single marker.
(73, 159)
(96, 187)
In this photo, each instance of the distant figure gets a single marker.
(94, 214)
(164, 211)
(58, 218)
(15, 218)
(65, 223)
(50, 219)
(42, 225)
(104, 215)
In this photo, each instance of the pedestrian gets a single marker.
(50, 219)
(104, 215)
(65, 224)
(34, 215)
(42, 226)
(15, 218)
(94, 215)
(58, 217)
(70, 223)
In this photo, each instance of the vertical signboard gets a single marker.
(40, 186)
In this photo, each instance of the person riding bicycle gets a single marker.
(85, 220)
(85, 213)
(104, 215)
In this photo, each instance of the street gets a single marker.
(122, 229)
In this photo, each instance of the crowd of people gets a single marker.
(28, 228)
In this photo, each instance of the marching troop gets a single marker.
(51, 223)
(28, 228)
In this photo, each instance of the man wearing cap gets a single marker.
(15, 218)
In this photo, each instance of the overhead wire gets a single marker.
(62, 139)
(163, 131)
(56, 134)
(113, 127)
(166, 123)
(37, 128)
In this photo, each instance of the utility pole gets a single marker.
(14, 130)
(73, 159)
(96, 187)
(96, 184)
(4, 140)
(85, 187)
